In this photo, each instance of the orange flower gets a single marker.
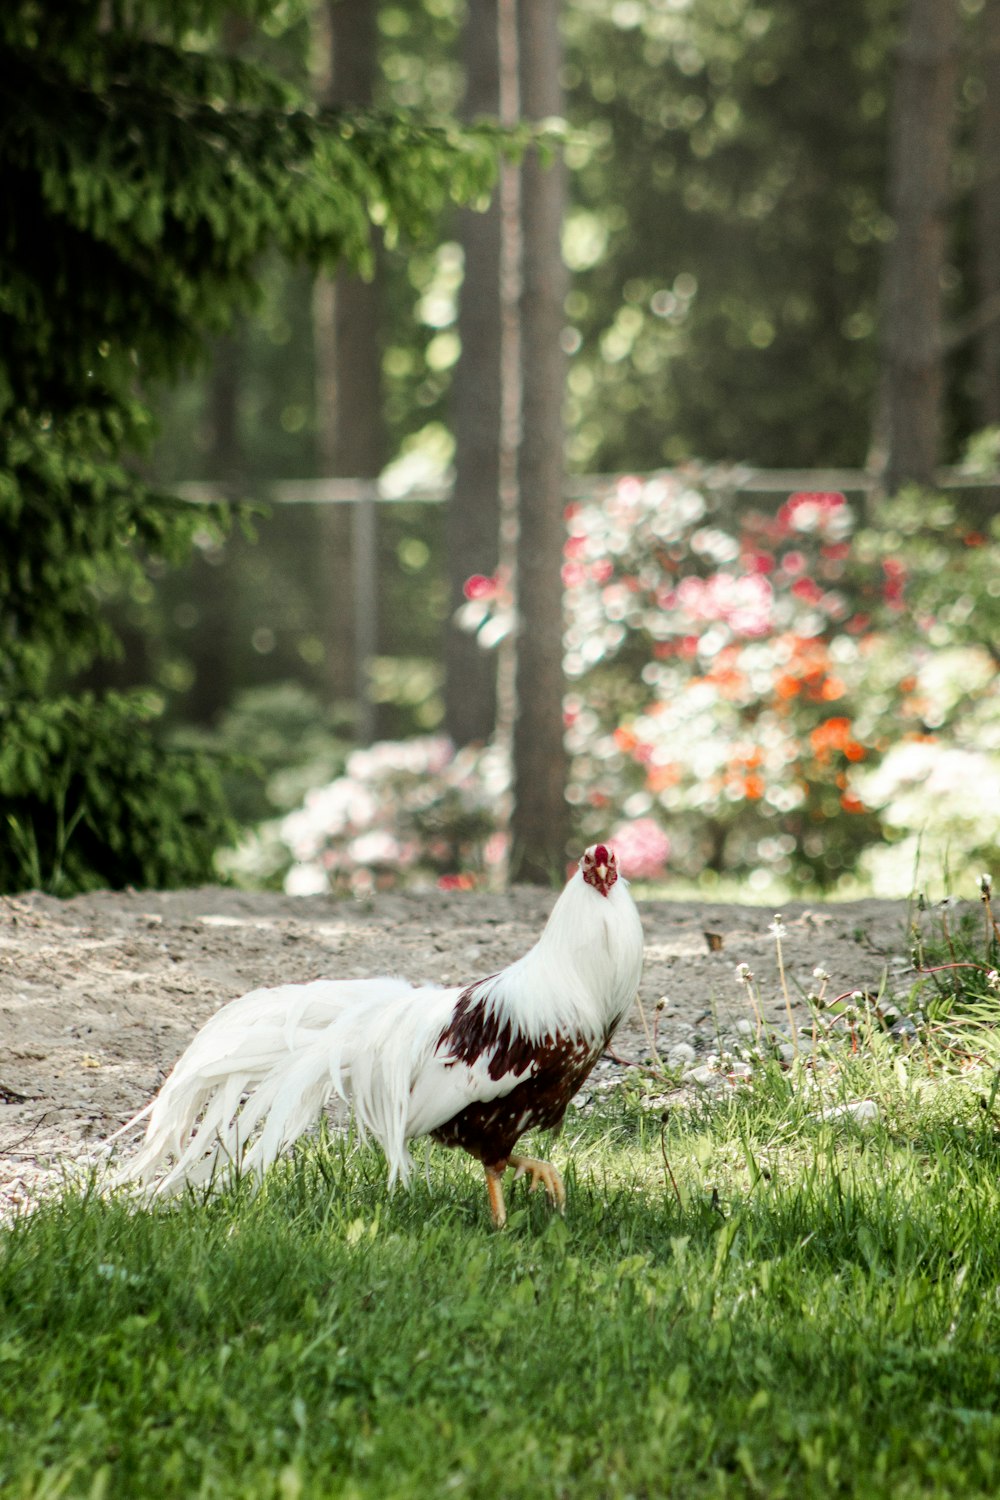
(660, 778)
(753, 788)
(835, 734)
(728, 682)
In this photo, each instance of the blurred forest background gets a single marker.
(651, 494)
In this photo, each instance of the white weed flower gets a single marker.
(993, 980)
(820, 973)
(744, 973)
(986, 886)
(777, 928)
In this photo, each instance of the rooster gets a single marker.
(472, 1066)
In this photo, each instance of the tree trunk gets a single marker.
(987, 220)
(909, 420)
(350, 439)
(540, 820)
(473, 521)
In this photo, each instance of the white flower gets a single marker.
(777, 928)
(986, 886)
(993, 980)
(744, 973)
(820, 973)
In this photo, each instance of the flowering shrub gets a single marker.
(411, 811)
(766, 686)
(783, 695)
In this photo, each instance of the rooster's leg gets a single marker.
(494, 1187)
(541, 1172)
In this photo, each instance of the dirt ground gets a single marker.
(100, 994)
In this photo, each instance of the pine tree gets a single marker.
(143, 174)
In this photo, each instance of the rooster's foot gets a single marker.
(543, 1174)
(494, 1187)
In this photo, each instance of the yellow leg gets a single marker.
(544, 1173)
(494, 1187)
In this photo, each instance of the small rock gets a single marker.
(680, 1054)
(745, 1027)
(863, 1112)
(702, 1076)
(786, 1052)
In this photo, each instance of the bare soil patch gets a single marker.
(100, 994)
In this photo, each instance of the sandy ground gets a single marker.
(100, 994)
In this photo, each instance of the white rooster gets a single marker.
(472, 1066)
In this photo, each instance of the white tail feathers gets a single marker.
(260, 1071)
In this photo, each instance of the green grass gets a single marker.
(744, 1299)
(816, 1311)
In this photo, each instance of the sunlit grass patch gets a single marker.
(785, 1284)
(812, 1309)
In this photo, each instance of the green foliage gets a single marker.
(144, 175)
(728, 231)
(276, 742)
(90, 797)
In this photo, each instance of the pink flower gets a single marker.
(744, 603)
(629, 489)
(479, 586)
(642, 849)
(808, 590)
(812, 510)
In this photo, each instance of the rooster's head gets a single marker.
(599, 868)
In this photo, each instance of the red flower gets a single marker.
(807, 589)
(479, 586)
(810, 510)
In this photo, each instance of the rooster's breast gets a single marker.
(527, 1082)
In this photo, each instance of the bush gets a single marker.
(89, 797)
(786, 696)
(772, 686)
(410, 811)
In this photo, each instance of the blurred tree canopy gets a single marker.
(727, 226)
(144, 173)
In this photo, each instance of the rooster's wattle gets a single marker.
(472, 1066)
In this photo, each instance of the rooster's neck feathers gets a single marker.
(581, 977)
